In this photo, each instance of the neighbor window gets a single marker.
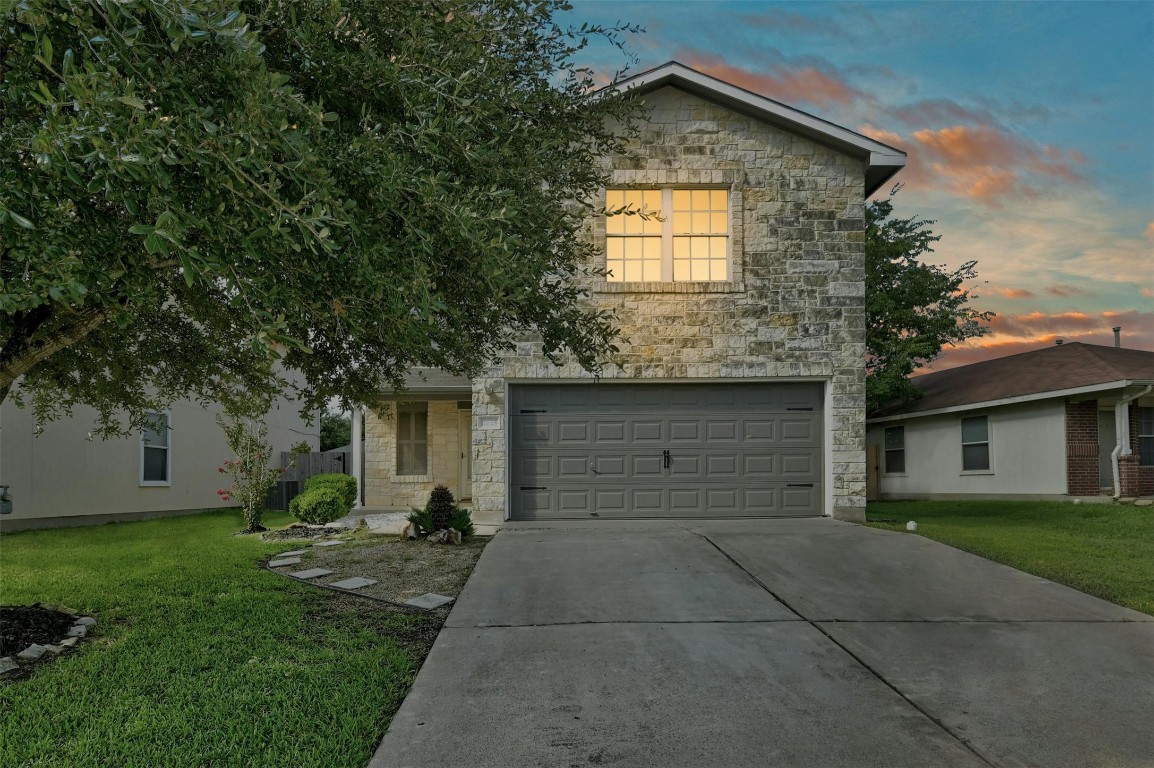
(1146, 437)
(413, 439)
(155, 450)
(976, 444)
(683, 235)
(895, 446)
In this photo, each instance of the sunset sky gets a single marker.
(1029, 128)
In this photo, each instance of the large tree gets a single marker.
(913, 308)
(190, 191)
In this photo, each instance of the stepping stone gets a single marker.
(311, 573)
(283, 561)
(355, 582)
(294, 553)
(327, 543)
(429, 601)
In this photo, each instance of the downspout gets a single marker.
(1122, 430)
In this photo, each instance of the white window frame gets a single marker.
(667, 235)
(988, 442)
(886, 452)
(167, 414)
(410, 408)
(1143, 459)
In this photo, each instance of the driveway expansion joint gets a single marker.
(936, 721)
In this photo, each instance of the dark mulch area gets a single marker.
(297, 531)
(23, 625)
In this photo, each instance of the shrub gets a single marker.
(422, 521)
(344, 485)
(463, 522)
(440, 507)
(318, 506)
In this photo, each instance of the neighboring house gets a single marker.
(740, 386)
(64, 476)
(1069, 420)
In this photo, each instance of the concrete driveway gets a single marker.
(790, 643)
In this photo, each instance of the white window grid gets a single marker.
(687, 240)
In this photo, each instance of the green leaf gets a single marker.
(142, 229)
(133, 102)
(20, 220)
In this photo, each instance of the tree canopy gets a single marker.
(913, 308)
(191, 191)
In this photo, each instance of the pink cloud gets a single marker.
(1148, 293)
(1014, 293)
(1150, 230)
(1065, 290)
(781, 82)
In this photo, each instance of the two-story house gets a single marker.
(740, 386)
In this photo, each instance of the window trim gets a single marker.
(1143, 459)
(886, 451)
(988, 442)
(668, 236)
(167, 453)
(411, 408)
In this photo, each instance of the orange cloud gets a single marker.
(1148, 293)
(1150, 230)
(1014, 293)
(1065, 290)
(782, 83)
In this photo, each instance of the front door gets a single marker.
(465, 465)
(1107, 437)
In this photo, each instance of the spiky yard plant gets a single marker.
(440, 507)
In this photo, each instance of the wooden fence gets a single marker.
(292, 482)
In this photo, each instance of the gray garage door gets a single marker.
(665, 450)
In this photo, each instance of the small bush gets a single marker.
(344, 485)
(440, 507)
(463, 522)
(421, 520)
(318, 506)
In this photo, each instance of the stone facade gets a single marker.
(383, 487)
(794, 308)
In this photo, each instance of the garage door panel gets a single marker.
(733, 449)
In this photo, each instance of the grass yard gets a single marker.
(200, 657)
(1106, 550)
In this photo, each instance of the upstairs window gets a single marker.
(895, 447)
(413, 439)
(682, 235)
(976, 444)
(155, 451)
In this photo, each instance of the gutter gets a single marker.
(1122, 431)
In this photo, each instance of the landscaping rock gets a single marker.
(454, 536)
(77, 630)
(409, 531)
(87, 621)
(283, 561)
(69, 642)
(438, 537)
(56, 650)
(8, 664)
(1144, 502)
(32, 652)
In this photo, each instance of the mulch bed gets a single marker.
(23, 625)
(298, 531)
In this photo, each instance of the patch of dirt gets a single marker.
(23, 625)
(299, 531)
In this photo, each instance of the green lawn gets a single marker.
(199, 657)
(1106, 550)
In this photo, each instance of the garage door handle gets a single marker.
(527, 411)
(533, 488)
(807, 408)
(799, 485)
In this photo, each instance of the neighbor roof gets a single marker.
(1029, 375)
(882, 161)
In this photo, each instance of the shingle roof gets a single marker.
(435, 380)
(1052, 369)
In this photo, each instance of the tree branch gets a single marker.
(14, 364)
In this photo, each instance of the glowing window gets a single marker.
(663, 235)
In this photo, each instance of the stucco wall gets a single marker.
(383, 487)
(795, 307)
(61, 473)
(1027, 453)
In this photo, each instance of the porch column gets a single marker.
(358, 458)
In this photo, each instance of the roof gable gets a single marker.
(1053, 369)
(882, 161)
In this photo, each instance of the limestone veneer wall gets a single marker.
(794, 308)
(383, 487)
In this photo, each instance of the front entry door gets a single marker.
(465, 465)
(1107, 437)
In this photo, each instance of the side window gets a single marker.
(1146, 437)
(685, 240)
(976, 444)
(156, 451)
(413, 439)
(895, 448)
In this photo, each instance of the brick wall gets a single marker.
(1143, 481)
(1082, 448)
(795, 305)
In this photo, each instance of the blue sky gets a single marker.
(1029, 126)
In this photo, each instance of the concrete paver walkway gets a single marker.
(771, 643)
